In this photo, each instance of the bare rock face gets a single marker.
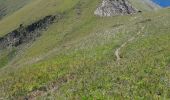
(25, 34)
(114, 8)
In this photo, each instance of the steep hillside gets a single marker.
(146, 5)
(8, 7)
(84, 56)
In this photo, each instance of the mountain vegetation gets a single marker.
(59, 49)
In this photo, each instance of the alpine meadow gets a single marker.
(84, 50)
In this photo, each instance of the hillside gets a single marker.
(59, 49)
(7, 7)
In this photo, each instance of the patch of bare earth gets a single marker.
(50, 88)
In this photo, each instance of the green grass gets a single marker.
(8, 7)
(6, 56)
(3, 61)
(80, 49)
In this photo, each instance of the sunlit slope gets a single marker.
(34, 11)
(75, 58)
(8, 7)
(145, 5)
(70, 22)
(39, 8)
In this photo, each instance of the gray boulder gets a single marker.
(114, 8)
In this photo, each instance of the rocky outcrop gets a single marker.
(25, 34)
(114, 8)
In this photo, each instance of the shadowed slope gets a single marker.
(7, 7)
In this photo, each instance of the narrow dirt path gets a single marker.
(117, 52)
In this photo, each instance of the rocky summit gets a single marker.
(114, 8)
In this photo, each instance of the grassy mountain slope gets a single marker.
(7, 7)
(75, 58)
(149, 5)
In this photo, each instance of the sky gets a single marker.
(163, 3)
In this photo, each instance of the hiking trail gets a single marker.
(117, 52)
